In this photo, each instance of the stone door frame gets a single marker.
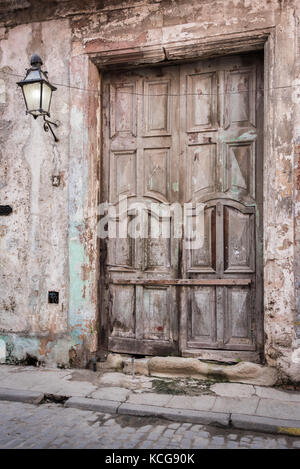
(88, 62)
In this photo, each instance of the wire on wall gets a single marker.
(163, 94)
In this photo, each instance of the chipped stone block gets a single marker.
(177, 366)
(141, 366)
(246, 372)
(114, 361)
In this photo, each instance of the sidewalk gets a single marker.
(242, 406)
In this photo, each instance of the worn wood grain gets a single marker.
(190, 282)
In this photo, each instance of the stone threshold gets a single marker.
(181, 367)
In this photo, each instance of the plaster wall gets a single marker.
(34, 238)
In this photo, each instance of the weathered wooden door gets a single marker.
(141, 163)
(221, 138)
(189, 134)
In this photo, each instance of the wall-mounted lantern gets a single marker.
(37, 92)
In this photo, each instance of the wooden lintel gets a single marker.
(187, 282)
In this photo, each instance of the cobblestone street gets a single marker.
(54, 426)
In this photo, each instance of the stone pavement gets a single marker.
(243, 406)
(55, 426)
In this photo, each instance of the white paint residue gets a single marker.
(2, 92)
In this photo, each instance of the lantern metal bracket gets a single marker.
(47, 127)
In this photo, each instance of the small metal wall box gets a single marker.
(53, 297)
(5, 210)
(55, 181)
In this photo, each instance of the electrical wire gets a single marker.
(199, 94)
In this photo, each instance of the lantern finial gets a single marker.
(36, 61)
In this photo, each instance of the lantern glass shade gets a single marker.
(37, 98)
(32, 96)
(37, 92)
(46, 97)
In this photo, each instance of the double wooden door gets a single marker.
(176, 138)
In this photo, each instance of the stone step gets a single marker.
(181, 367)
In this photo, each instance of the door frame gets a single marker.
(90, 62)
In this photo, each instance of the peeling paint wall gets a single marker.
(49, 242)
(34, 238)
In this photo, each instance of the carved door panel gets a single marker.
(221, 138)
(140, 162)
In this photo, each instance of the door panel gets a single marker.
(203, 259)
(239, 168)
(201, 102)
(203, 320)
(201, 170)
(156, 316)
(240, 96)
(140, 161)
(239, 245)
(189, 133)
(122, 317)
(156, 173)
(238, 325)
(223, 168)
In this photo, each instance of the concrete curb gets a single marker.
(265, 424)
(20, 395)
(220, 419)
(96, 405)
(182, 415)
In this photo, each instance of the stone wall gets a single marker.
(49, 242)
